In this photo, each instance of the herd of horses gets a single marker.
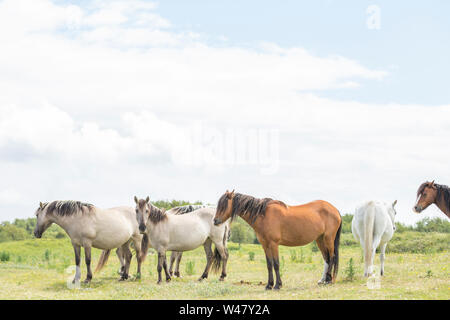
(188, 227)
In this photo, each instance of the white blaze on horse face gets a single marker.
(417, 203)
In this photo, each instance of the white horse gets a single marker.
(169, 232)
(373, 225)
(89, 226)
(175, 257)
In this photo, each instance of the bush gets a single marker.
(433, 225)
(4, 256)
(190, 268)
(419, 242)
(251, 256)
(347, 223)
(350, 271)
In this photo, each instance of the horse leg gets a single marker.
(87, 257)
(269, 260)
(77, 250)
(382, 251)
(173, 257)
(329, 245)
(137, 245)
(375, 244)
(177, 268)
(326, 258)
(224, 253)
(122, 262)
(224, 256)
(166, 271)
(159, 267)
(127, 256)
(276, 266)
(209, 258)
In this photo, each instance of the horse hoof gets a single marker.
(277, 287)
(177, 274)
(87, 281)
(268, 287)
(221, 279)
(168, 279)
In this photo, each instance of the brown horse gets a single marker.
(430, 192)
(276, 223)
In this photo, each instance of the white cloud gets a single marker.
(99, 102)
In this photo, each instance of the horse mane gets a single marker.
(66, 208)
(186, 209)
(443, 193)
(245, 204)
(156, 214)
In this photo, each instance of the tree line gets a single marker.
(241, 232)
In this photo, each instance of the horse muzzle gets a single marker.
(142, 229)
(417, 209)
(37, 234)
(217, 221)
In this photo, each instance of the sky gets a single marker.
(344, 101)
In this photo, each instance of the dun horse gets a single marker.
(89, 226)
(276, 223)
(373, 225)
(169, 232)
(175, 257)
(430, 192)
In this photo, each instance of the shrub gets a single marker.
(47, 255)
(190, 266)
(4, 256)
(251, 256)
(418, 242)
(350, 271)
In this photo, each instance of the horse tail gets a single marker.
(103, 259)
(336, 252)
(144, 247)
(369, 219)
(217, 261)
(217, 258)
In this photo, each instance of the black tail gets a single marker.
(217, 261)
(336, 253)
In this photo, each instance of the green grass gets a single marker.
(37, 269)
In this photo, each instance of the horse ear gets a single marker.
(147, 199)
(136, 199)
(395, 202)
(232, 191)
(41, 205)
(432, 184)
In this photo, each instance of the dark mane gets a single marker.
(156, 215)
(67, 207)
(186, 209)
(443, 192)
(244, 204)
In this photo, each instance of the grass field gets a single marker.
(40, 269)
